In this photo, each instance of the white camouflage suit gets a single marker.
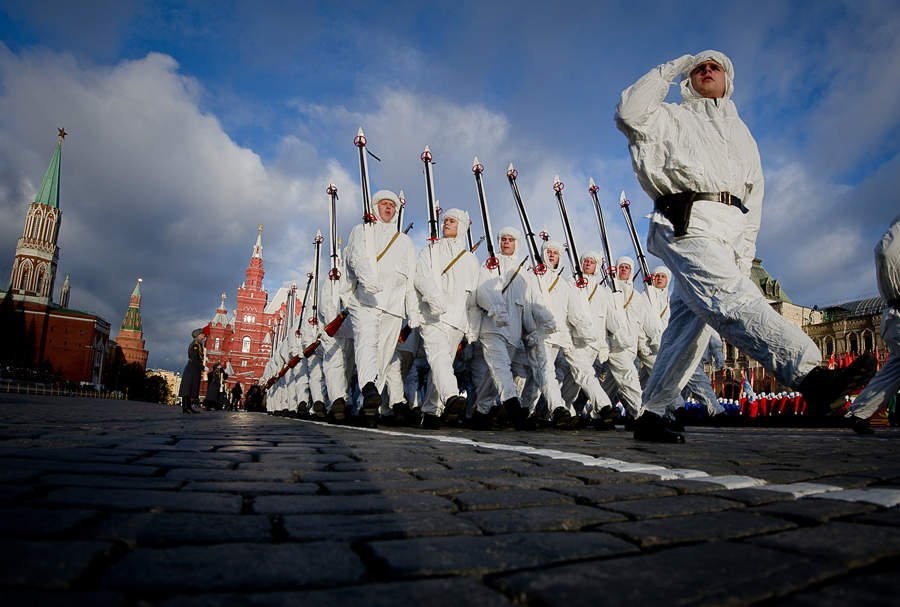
(576, 339)
(380, 264)
(446, 279)
(702, 145)
(336, 351)
(622, 337)
(509, 317)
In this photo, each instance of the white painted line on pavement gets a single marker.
(882, 497)
(875, 495)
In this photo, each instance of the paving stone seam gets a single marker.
(887, 498)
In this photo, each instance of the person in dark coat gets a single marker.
(193, 372)
(215, 388)
(254, 401)
(236, 392)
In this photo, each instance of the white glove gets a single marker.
(676, 67)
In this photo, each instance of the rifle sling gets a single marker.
(453, 261)
(513, 277)
(553, 284)
(387, 247)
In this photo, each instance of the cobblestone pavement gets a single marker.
(123, 503)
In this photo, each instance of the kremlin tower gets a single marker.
(131, 336)
(37, 254)
(66, 342)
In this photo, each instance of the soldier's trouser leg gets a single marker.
(316, 379)
(542, 358)
(624, 372)
(699, 386)
(334, 370)
(375, 335)
(440, 343)
(498, 355)
(581, 367)
(485, 389)
(711, 291)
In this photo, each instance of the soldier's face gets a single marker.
(708, 79)
(386, 210)
(450, 227)
(507, 245)
(660, 280)
(624, 272)
(553, 257)
(589, 266)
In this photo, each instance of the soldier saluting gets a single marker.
(698, 161)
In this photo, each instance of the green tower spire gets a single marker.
(49, 191)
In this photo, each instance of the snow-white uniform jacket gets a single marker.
(659, 300)
(699, 145)
(383, 283)
(567, 303)
(643, 326)
(521, 311)
(447, 292)
(607, 322)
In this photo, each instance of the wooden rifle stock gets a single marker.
(293, 362)
(335, 325)
(311, 348)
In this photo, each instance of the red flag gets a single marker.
(831, 361)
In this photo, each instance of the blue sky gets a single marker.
(192, 122)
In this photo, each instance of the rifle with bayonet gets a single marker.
(580, 281)
(635, 240)
(609, 272)
(429, 196)
(537, 261)
(314, 319)
(492, 263)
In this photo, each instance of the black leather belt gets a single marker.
(677, 207)
(726, 198)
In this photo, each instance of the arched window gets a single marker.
(39, 283)
(218, 343)
(48, 229)
(26, 276)
(829, 346)
(868, 341)
(34, 223)
(245, 344)
(853, 343)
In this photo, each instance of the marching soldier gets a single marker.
(446, 280)
(380, 264)
(699, 163)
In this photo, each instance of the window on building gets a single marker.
(829, 346)
(245, 344)
(853, 343)
(218, 343)
(868, 341)
(243, 363)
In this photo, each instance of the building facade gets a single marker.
(68, 343)
(242, 342)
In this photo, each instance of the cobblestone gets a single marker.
(125, 503)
